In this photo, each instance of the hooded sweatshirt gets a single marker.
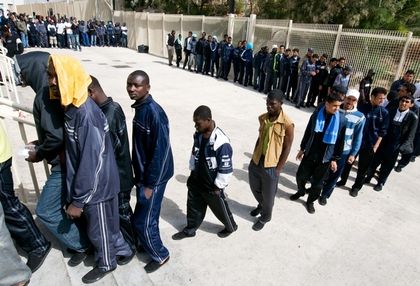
(48, 114)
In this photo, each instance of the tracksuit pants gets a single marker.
(198, 199)
(333, 177)
(104, 233)
(263, 183)
(365, 159)
(386, 159)
(146, 222)
(18, 218)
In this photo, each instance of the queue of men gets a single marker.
(82, 134)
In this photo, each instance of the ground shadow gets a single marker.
(181, 178)
(241, 210)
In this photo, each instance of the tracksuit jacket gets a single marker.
(218, 154)
(152, 155)
(88, 149)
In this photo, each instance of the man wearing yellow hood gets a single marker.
(92, 176)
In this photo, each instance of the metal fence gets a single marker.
(389, 53)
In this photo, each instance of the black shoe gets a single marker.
(413, 159)
(35, 260)
(297, 106)
(398, 169)
(123, 260)
(181, 235)
(152, 266)
(378, 187)
(95, 274)
(225, 233)
(256, 211)
(340, 184)
(258, 225)
(77, 258)
(310, 208)
(322, 201)
(296, 196)
(354, 192)
(367, 180)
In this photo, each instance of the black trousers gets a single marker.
(197, 202)
(386, 159)
(126, 213)
(365, 160)
(18, 218)
(312, 170)
(187, 55)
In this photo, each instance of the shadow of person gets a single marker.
(241, 210)
(241, 175)
(249, 155)
(290, 168)
(171, 213)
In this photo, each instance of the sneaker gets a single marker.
(296, 196)
(123, 260)
(256, 211)
(77, 258)
(398, 169)
(225, 233)
(258, 225)
(181, 235)
(413, 159)
(95, 274)
(310, 208)
(322, 201)
(35, 260)
(152, 266)
(354, 192)
(378, 187)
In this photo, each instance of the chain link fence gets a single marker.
(389, 53)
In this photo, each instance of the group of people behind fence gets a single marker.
(56, 31)
(82, 133)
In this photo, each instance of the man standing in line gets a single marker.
(153, 166)
(320, 149)
(270, 155)
(377, 120)
(211, 169)
(170, 45)
(187, 48)
(407, 78)
(92, 175)
(49, 123)
(119, 136)
(352, 142)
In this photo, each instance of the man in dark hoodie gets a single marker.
(49, 122)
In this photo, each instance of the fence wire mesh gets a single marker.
(364, 49)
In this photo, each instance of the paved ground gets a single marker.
(368, 240)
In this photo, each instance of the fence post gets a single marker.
(203, 20)
(337, 40)
(231, 24)
(147, 29)
(163, 35)
(250, 29)
(289, 31)
(135, 31)
(182, 25)
(403, 55)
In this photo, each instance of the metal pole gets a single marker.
(403, 56)
(337, 40)
(289, 32)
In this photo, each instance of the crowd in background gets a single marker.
(57, 31)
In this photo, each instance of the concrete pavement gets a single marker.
(368, 240)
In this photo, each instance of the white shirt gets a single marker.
(69, 31)
(60, 28)
(399, 116)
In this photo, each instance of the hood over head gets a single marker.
(34, 69)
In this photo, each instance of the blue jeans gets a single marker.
(85, 39)
(24, 38)
(146, 222)
(51, 212)
(93, 40)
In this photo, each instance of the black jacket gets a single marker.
(119, 136)
(48, 114)
(333, 151)
(407, 132)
